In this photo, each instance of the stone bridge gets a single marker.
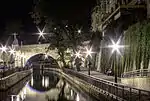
(25, 52)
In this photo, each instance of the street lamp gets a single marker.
(115, 49)
(3, 49)
(89, 53)
(12, 54)
(77, 54)
(66, 26)
(11, 51)
(78, 60)
(41, 33)
(79, 31)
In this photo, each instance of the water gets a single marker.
(45, 86)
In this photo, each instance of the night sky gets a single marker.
(76, 12)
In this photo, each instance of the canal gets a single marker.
(45, 86)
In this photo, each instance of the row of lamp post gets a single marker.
(9, 51)
(115, 46)
(88, 56)
(115, 49)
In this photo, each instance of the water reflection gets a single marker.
(49, 87)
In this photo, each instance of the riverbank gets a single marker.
(12, 79)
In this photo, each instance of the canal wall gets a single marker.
(12, 79)
(14, 89)
(138, 82)
(92, 90)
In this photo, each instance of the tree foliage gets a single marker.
(137, 56)
(96, 18)
(62, 35)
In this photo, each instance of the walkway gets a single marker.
(100, 76)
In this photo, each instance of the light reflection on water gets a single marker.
(49, 87)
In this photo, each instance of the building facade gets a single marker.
(112, 18)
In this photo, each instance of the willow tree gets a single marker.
(137, 55)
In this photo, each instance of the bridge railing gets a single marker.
(137, 73)
(119, 91)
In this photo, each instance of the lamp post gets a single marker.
(77, 60)
(115, 49)
(88, 56)
(12, 54)
(3, 50)
(41, 33)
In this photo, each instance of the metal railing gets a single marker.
(136, 73)
(119, 91)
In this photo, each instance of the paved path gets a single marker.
(101, 76)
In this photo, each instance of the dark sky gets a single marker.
(75, 11)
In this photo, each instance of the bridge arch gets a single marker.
(25, 52)
(41, 59)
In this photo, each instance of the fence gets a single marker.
(136, 73)
(123, 92)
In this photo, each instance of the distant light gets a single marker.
(66, 25)
(89, 52)
(78, 55)
(41, 33)
(45, 56)
(79, 31)
(55, 28)
(3, 48)
(12, 51)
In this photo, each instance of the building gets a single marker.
(112, 18)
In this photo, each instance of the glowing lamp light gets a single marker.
(12, 51)
(115, 46)
(79, 31)
(3, 48)
(45, 56)
(41, 33)
(78, 54)
(89, 52)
